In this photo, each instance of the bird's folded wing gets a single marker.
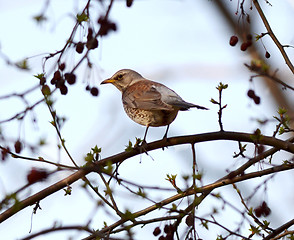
(145, 98)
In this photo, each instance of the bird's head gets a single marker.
(123, 78)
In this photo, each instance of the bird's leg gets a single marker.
(144, 139)
(141, 145)
(165, 135)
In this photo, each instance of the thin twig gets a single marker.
(273, 36)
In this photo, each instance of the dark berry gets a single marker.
(256, 100)
(248, 18)
(263, 209)
(5, 152)
(90, 33)
(169, 236)
(156, 231)
(70, 78)
(17, 146)
(190, 220)
(53, 81)
(80, 47)
(258, 211)
(62, 66)
(101, 20)
(129, 3)
(233, 40)
(105, 26)
(168, 229)
(251, 93)
(88, 88)
(94, 91)
(63, 90)
(266, 211)
(244, 46)
(249, 37)
(36, 175)
(249, 43)
(162, 238)
(92, 43)
(60, 83)
(267, 54)
(57, 75)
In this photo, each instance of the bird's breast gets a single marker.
(154, 118)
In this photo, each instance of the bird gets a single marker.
(147, 102)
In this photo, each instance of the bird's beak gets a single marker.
(109, 80)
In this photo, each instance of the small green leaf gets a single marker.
(128, 215)
(39, 76)
(40, 18)
(141, 193)
(282, 111)
(265, 224)
(83, 17)
(89, 157)
(23, 64)
(222, 86)
(256, 136)
(198, 176)
(174, 207)
(204, 224)
(108, 168)
(96, 150)
(254, 230)
(129, 147)
(67, 191)
(214, 101)
(42, 142)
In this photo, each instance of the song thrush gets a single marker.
(147, 102)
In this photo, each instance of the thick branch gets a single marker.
(118, 158)
(279, 230)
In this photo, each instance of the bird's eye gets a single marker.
(119, 76)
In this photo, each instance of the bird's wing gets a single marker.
(145, 95)
(171, 98)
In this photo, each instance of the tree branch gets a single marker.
(273, 36)
(189, 139)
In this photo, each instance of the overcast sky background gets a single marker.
(182, 44)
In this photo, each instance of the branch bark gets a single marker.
(118, 158)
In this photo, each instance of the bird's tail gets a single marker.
(200, 107)
(183, 106)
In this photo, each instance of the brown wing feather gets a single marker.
(143, 95)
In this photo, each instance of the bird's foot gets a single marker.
(141, 145)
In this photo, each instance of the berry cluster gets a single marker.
(93, 90)
(263, 210)
(18, 146)
(251, 94)
(91, 43)
(245, 45)
(59, 79)
(168, 230)
(106, 26)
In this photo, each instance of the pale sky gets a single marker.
(182, 44)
